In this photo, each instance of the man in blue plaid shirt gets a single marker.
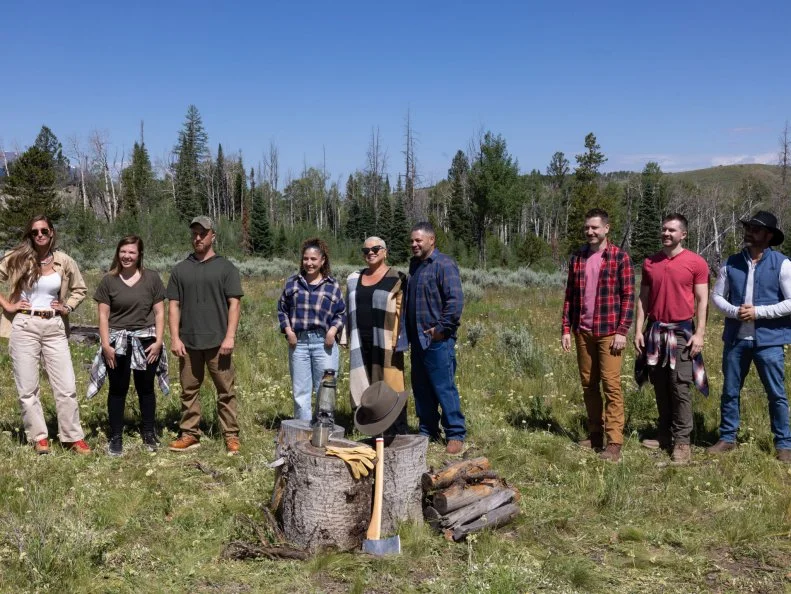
(434, 305)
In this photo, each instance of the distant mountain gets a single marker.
(730, 176)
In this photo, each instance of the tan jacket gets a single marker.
(71, 285)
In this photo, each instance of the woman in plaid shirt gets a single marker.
(311, 311)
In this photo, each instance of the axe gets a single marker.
(373, 544)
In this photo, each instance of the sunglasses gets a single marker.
(35, 232)
(375, 249)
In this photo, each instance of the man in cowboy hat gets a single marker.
(753, 290)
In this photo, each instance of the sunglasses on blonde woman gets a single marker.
(375, 249)
(35, 232)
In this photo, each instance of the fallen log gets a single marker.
(465, 470)
(458, 495)
(493, 519)
(433, 517)
(479, 508)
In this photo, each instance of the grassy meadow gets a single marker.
(159, 522)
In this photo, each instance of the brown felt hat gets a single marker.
(379, 407)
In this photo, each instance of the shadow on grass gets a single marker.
(538, 416)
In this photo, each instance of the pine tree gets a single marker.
(645, 236)
(138, 182)
(253, 197)
(459, 218)
(399, 236)
(384, 219)
(239, 188)
(31, 190)
(49, 143)
(585, 193)
(191, 150)
(222, 182)
(353, 208)
(260, 231)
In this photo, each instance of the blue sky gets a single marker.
(688, 84)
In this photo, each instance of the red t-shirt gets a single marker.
(672, 280)
(592, 271)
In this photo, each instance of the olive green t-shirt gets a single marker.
(202, 289)
(131, 308)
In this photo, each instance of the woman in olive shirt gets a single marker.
(131, 327)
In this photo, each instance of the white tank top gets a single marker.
(42, 293)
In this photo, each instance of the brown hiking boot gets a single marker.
(784, 456)
(594, 442)
(232, 444)
(721, 447)
(612, 453)
(682, 454)
(184, 443)
(455, 446)
(41, 446)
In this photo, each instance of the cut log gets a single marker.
(405, 463)
(322, 504)
(476, 510)
(433, 517)
(493, 519)
(292, 431)
(457, 495)
(474, 469)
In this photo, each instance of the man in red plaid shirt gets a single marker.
(598, 310)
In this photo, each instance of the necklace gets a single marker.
(47, 260)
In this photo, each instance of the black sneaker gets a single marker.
(150, 441)
(115, 446)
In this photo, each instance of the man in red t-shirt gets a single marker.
(673, 290)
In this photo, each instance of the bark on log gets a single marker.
(477, 509)
(492, 519)
(433, 517)
(474, 469)
(292, 431)
(405, 463)
(457, 495)
(322, 504)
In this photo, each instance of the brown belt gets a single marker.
(41, 313)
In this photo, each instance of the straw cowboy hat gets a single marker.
(379, 407)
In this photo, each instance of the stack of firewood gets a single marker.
(466, 497)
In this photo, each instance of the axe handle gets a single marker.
(375, 527)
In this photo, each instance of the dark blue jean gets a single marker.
(770, 363)
(434, 387)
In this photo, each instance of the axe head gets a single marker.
(384, 546)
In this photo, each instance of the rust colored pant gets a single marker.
(598, 365)
(192, 369)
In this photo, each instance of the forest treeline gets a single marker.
(487, 211)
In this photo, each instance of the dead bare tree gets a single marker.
(82, 159)
(99, 143)
(375, 169)
(784, 158)
(410, 166)
(271, 166)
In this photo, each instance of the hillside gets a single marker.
(729, 175)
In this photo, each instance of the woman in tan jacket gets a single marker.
(46, 286)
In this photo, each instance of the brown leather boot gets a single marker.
(612, 453)
(682, 454)
(784, 456)
(721, 447)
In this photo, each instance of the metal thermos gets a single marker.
(324, 417)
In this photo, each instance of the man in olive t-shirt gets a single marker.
(204, 294)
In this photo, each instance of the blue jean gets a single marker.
(770, 363)
(307, 362)
(434, 387)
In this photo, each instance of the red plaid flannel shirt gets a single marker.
(614, 296)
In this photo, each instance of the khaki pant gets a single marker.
(597, 364)
(191, 373)
(35, 339)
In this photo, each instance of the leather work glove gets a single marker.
(359, 458)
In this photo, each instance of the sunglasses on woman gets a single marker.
(375, 249)
(35, 232)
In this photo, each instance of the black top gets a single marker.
(364, 311)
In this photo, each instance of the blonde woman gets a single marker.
(46, 286)
(376, 332)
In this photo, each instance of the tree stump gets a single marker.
(322, 504)
(405, 463)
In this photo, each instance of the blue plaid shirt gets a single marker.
(434, 298)
(303, 307)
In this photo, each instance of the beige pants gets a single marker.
(35, 339)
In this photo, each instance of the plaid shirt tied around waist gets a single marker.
(119, 339)
(614, 306)
(661, 343)
(303, 307)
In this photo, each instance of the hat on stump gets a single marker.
(379, 407)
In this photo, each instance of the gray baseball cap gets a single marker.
(204, 222)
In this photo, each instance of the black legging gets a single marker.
(400, 426)
(119, 386)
